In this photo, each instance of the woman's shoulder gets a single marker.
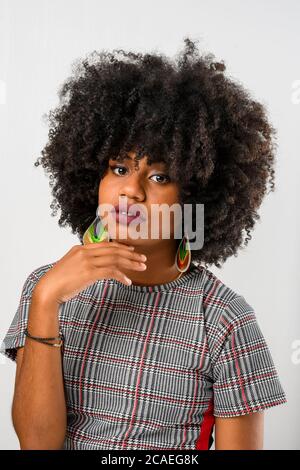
(214, 290)
(34, 276)
(221, 303)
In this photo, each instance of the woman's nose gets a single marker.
(133, 187)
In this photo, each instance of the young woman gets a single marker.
(166, 358)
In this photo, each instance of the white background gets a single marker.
(259, 42)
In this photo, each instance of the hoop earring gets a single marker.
(183, 255)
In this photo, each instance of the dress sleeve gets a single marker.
(15, 336)
(245, 379)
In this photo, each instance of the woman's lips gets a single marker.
(127, 219)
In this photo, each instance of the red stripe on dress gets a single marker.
(208, 422)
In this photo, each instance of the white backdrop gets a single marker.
(259, 42)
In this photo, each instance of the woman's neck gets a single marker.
(161, 267)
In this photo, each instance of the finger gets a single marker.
(113, 274)
(91, 246)
(116, 252)
(108, 261)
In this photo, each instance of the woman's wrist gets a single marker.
(41, 297)
(43, 318)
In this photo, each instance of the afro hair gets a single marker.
(185, 112)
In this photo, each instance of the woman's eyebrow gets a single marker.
(161, 162)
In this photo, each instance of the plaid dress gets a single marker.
(150, 367)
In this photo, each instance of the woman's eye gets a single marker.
(116, 167)
(162, 176)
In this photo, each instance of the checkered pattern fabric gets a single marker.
(150, 367)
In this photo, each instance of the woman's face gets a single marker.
(143, 186)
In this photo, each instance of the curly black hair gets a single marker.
(216, 140)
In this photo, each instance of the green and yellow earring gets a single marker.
(96, 232)
(183, 256)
